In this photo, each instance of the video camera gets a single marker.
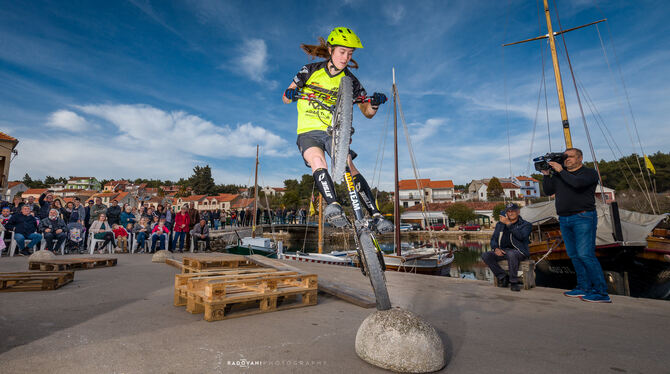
(542, 162)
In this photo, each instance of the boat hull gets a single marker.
(251, 250)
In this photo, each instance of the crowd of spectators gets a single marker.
(46, 220)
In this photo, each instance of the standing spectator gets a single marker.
(65, 211)
(199, 233)
(16, 205)
(205, 216)
(241, 217)
(45, 201)
(127, 216)
(169, 216)
(217, 218)
(114, 213)
(24, 226)
(136, 214)
(53, 227)
(141, 231)
(574, 186)
(34, 207)
(78, 212)
(159, 233)
(96, 210)
(181, 227)
(101, 229)
(154, 221)
(121, 236)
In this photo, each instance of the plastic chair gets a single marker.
(93, 242)
(133, 244)
(13, 245)
(43, 245)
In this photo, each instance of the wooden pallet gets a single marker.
(34, 281)
(174, 263)
(192, 281)
(71, 264)
(248, 292)
(210, 262)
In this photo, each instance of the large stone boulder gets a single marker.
(161, 256)
(42, 256)
(401, 341)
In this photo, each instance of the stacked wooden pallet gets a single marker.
(71, 264)
(237, 288)
(34, 281)
(212, 262)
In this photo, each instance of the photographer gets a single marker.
(509, 241)
(574, 186)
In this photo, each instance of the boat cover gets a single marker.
(635, 226)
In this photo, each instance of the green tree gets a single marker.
(201, 181)
(49, 180)
(494, 189)
(497, 209)
(28, 181)
(460, 213)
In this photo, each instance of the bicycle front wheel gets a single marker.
(374, 270)
(341, 125)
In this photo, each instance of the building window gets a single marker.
(404, 204)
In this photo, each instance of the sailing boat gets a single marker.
(427, 259)
(632, 253)
(251, 244)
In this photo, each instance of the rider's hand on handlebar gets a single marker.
(292, 94)
(377, 99)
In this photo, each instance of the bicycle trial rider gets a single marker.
(323, 79)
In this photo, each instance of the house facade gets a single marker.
(530, 187)
(7, 145)
(435, 213)
(14, 188)
(83, 183)
(411, 191)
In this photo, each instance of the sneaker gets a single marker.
(516, 287)
(335, 215)
(574, 293)
(382, 225)
(596, 298)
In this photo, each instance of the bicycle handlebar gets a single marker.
(313, 97)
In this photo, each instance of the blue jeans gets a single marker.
(34, 238)
(181, 235)
(155, 238)
(217, 224)
(579, 236)
(141, 237)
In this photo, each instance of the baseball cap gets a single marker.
(512, 206)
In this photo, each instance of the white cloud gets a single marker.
(145, 142)
(67, 120)
(422, 132)
(394, 14)
(253, 61)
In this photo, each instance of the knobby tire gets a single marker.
(341, 126)
(374, 270)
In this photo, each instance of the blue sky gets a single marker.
(150, 89)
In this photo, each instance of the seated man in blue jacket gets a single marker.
(509, 241)
(24, 226)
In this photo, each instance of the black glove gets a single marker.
(377, 99)
(292, 94)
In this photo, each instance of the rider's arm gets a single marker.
(367, 109)
(283, 97)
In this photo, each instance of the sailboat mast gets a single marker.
(396, 196)
(253, 224)
(559, 81)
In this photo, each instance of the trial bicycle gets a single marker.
(370, 255)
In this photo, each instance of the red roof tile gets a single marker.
(13, 184)
(4, 136)
(34, 191)
(522, 178)
(509, 185)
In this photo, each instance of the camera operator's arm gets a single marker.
(548, 183)
(576, 180)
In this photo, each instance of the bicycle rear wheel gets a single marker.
(373, 269)
(341, 125)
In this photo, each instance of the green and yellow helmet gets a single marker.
(344, 37)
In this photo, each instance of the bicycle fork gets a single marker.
(360, 220)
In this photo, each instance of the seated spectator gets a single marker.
(181, 227)
(141, 231)
(53, 227)
(75, 237)
(127, 216)
(121, 236)
(102, 230)
(137, 215)
(159, 233)
(114, 213)
(5, 215)
(510, 241)
(154, 221)
(24, 226)
(199, 233)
